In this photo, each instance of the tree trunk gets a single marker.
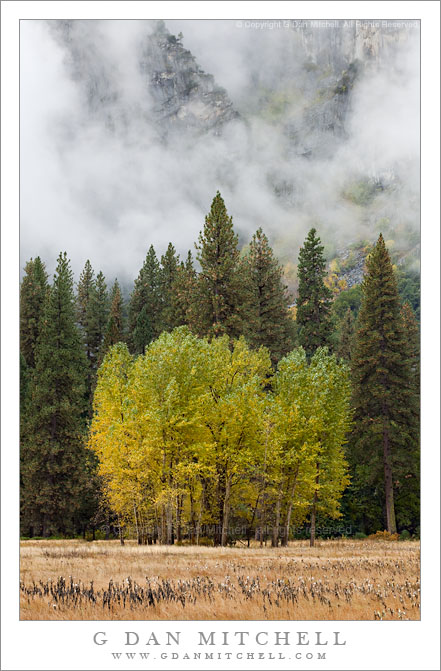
(121, 535)
(162, 527)
(192, 517)
(169, 507)
(143, 529)
(275, 531)
(138, 535)
(226, 512)
(313, 514)
(289, 509)
(250, 527)
(201, 507)
(388, 484)
(314, 509)
(156, 526)
(221, 489)
(179, 504)
(169, 523)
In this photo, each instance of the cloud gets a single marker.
(98, 181)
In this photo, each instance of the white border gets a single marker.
(370, 645)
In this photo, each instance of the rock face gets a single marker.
(184, 95)
(175, 93)
(326, 60)
(354, 274)
(308, 96)
(338, 43)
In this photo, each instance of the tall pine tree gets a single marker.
(407, 469)
(220, 289)
(115, 324)
(184, 288)
(53, 453)
(99, 308)
(145, 309)
(85, 316)
(85, 287)
(386, 409)
(314, 298)
(33, 291)
(167, 278)
(270, 323)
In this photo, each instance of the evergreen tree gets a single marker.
(115, 325)
(53, 455)
(184, 289)
(386, 410)
(347, 334)
(167, 278)
(98, 319)
(314, 298)
(33, 292)
(220, 290)
(412, 335)
(409, 282)
(86, 318)
(145, 305)
(24, 381)
(85, 287)
(407, 468)
(270, 323)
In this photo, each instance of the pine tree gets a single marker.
(85, 287)
(98, 319)
(33, 294)
(347, 335)
(33, 290)
(167, 278)
(314, 298)
(115, 325)
(385, 409)
(24, 381)
(184, 288)
(85, 317)
(220, 292)
(270, 323)
(53, 453)
(145, 305)
(407, 468)
(412, 335)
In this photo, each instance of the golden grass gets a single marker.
(335, 580)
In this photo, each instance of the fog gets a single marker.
(99, 181)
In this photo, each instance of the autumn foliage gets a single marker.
(196, 432)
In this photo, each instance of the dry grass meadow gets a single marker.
(336, 580)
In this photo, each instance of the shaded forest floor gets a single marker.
(335, 580)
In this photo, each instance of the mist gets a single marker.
(99, 180)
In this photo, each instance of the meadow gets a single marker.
(335, 580)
